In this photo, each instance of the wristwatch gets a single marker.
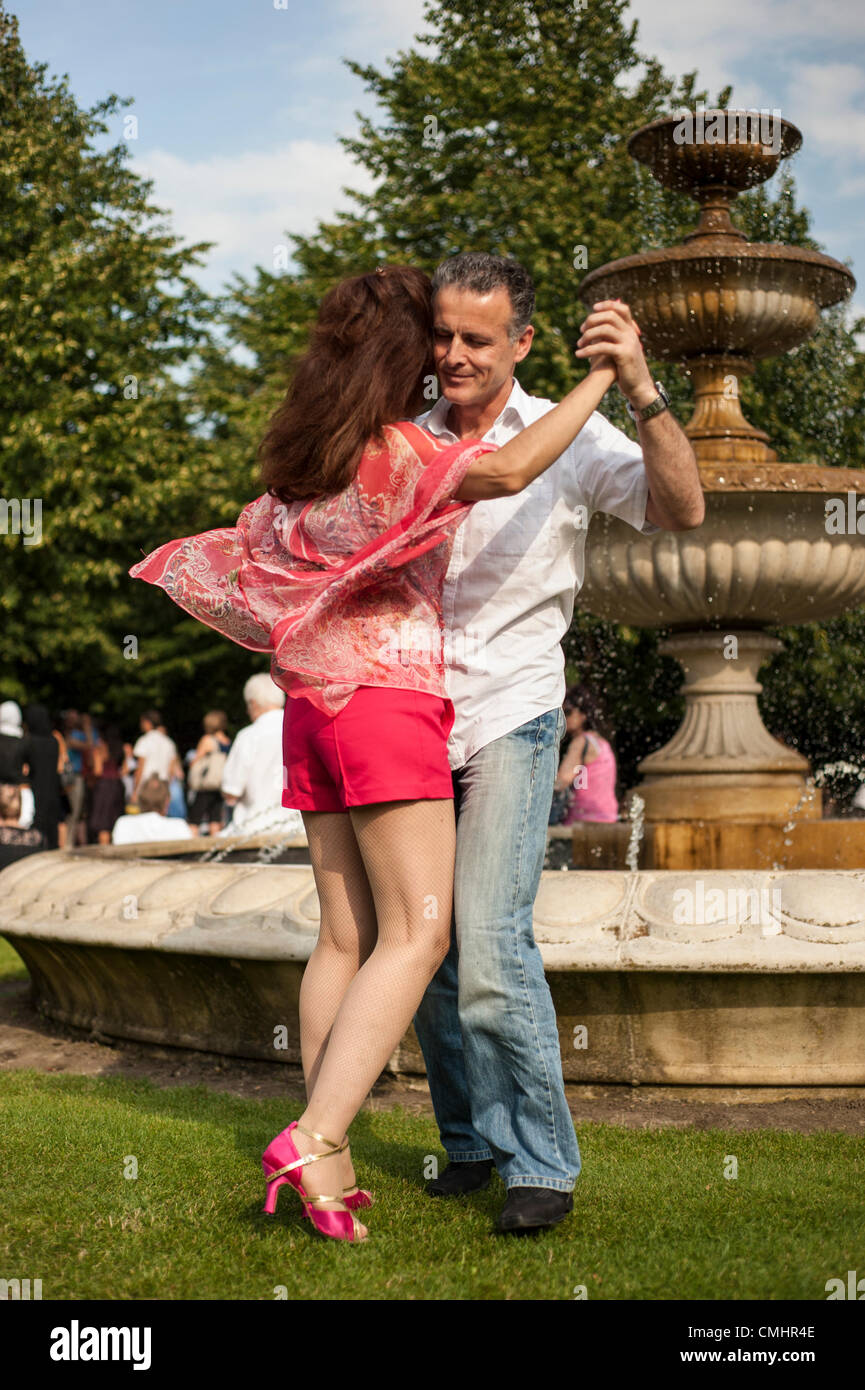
(661, 402)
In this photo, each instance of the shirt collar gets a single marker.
(517, 410)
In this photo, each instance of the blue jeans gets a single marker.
(486, 1024)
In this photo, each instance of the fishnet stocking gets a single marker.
(384, 875)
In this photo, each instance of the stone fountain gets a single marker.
(764, 555)
(685, 970)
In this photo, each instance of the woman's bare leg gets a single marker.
(407, 849)
(346, 937)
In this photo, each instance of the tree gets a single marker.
(98, 311)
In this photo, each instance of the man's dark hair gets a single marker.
(481, 272)
(153, 717)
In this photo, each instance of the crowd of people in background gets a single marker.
(73, 780)
(67, 781)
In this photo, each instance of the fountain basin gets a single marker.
(763, 555)
(768, 990)
(718, 296)
(744, 159)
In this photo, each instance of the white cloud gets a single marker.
(376, 27)
(246, 203)
(857, 310)
(830, 104)
(717, 39)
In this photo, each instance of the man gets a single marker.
(152, 823)
(486, 1025)
(252, 779)
(156, 752)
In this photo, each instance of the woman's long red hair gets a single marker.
(370, 350)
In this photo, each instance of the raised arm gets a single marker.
(510, 469)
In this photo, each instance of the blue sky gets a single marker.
(239, 103)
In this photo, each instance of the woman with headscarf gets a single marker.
(15, 757)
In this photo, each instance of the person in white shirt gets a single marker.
(252, 779)
(156, 753)
(486, 1025)
(151, 823)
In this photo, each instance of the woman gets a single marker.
(205, 773)
(588, 766)
(108, 801)
(15, 755)
(347, 547)
(45, 761)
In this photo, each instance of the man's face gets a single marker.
(474, 356)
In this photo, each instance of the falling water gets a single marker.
(281, 829)
(635, 813)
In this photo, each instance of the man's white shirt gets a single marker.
(148, 826)
(254, 773)
(516, 565)
(158, 752)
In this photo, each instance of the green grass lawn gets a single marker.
(12, 966)
(654, 1216)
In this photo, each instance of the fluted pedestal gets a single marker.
(722, 763)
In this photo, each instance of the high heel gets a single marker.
(283, 1163)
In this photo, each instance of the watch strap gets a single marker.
(661, 402)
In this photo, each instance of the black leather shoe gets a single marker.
(534, 1208)
(461, 1178)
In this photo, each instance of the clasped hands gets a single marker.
(611, 338)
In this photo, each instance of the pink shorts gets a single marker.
(385, 745)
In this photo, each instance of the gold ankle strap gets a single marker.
(309, 1158)
(334, 1148)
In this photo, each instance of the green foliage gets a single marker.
(504, 127)
(98, 310)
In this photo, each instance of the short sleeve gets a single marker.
(611, 474)
(235, 774)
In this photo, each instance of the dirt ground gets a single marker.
(29, 1040)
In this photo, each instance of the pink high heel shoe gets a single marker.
(282, 1163)
(356, 1197)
